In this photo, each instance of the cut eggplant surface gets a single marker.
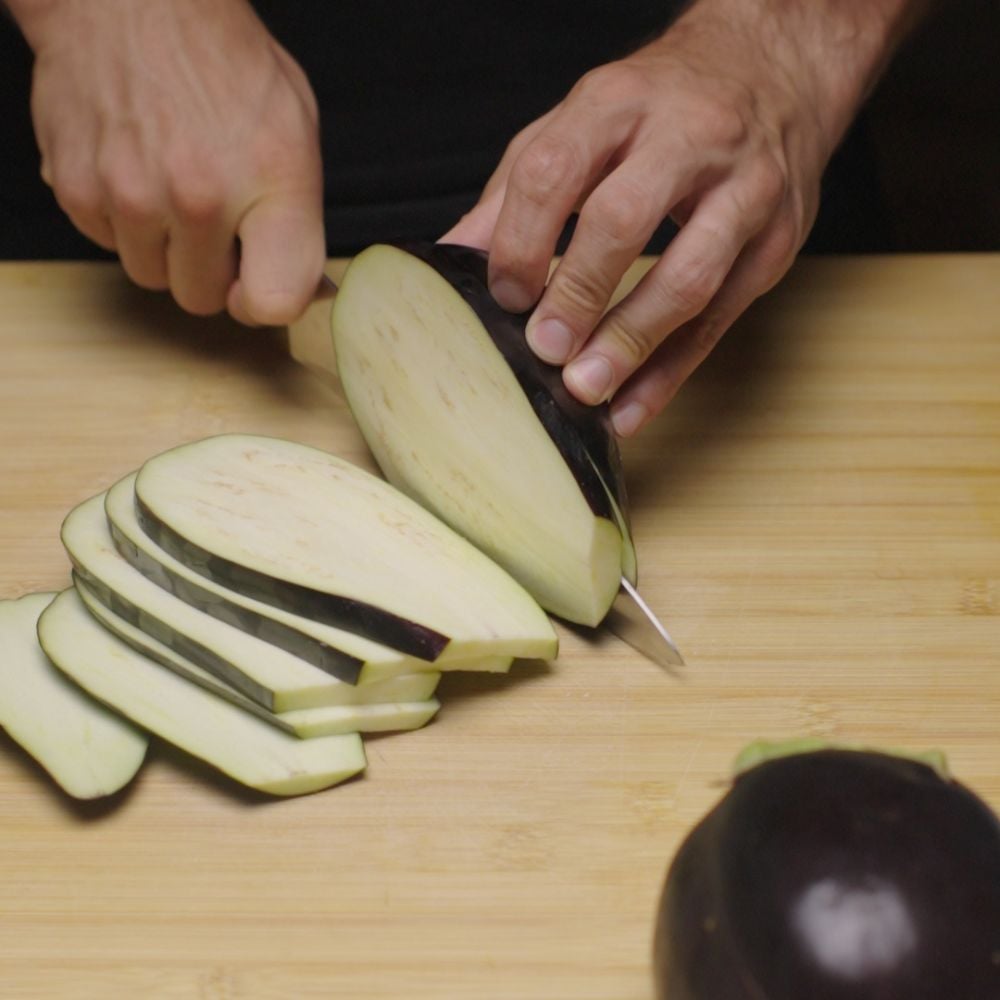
(412, 708)
(238, 744)
(461, 415)
(272, 677)
(339, 652)
(87, 749)
(306, 531)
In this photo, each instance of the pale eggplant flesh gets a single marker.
(247, 749)
(89, 751)
(582, 433)
(461, 415)
(338, 652)
(398, 709)
(312, 534)
(835, 875)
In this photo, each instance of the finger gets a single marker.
(201, 252)
(79, 194)
(652, 387)
(282, 256)
(137, 211)
(545, 183)
(475, 228)
(68, 168)
(615, 224)
(679, 286)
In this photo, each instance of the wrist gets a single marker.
(33, 18)
(829, 53)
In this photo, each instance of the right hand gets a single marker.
(182, 136)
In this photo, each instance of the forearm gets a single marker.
(832, 51)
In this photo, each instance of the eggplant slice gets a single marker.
(414, 707)
(462, 417)
(245, 748)
(303, 530)
(89, 751)
(343, 654)
(273, 678)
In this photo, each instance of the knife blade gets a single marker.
(630, 617)
(633, 621)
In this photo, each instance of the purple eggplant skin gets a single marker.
(835, 875)
(581, 433)
(337, 610)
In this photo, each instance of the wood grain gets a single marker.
(818, 519)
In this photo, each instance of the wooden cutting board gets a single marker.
(818, 520)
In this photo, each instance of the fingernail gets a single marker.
(551, 340)
(590, 378)
(629, 418)
(510, 295)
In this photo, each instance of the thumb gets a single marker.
(282, 256)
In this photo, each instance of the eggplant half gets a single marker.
(461, 416)
(835, 874)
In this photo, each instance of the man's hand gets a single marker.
(725, 124)
(182, 136)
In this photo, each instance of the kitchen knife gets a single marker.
(630, 618)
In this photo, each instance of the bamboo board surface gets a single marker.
(817, 519)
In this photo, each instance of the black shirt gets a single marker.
(418, 102)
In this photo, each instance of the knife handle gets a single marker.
(310, 341)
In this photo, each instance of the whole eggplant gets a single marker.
(835, 874)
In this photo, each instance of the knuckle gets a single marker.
(726, 124)
(631, 344)
(546, 165)
(779, 249)
(131, 194)
(195, 190)
(621, 213)
(770, 181)
(687, 285)
(581, 292)
(77, 193)
(614, 83)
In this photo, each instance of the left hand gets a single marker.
(725, 124)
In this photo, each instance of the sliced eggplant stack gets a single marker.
(307, 532)
(339, 652)
(88, 750)
(237, 743)
(273, 678)
(412, 708)
(462, 417)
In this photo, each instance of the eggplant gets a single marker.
(461, 416)
(247, 749)
(835, 874)
(343, 654)
(88, 750)
(266, 674)
(307, 532)
(405, 701)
